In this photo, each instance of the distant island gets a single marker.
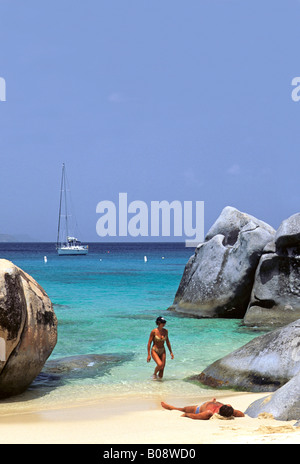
(16, 238)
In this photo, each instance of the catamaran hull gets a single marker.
(72, 252)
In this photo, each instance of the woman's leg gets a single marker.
(187, 409)
(163, 360)
(159, 363)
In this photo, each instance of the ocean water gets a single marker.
(106, 304)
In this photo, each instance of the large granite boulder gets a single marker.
(284, 404)
(218, 278)
(28, 329)
(264, 364)
(231, 221)
(288, 233)
(275, 297)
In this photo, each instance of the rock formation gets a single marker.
(60, 371)
(275, 297)
(244, 269)
(264, 364)
(28, 329)
(218, 278)
(284, 404)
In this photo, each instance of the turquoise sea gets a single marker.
(106, 303)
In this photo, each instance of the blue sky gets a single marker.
(164, 100)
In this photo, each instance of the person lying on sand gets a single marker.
(206, 410)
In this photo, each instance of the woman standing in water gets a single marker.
(158, 337)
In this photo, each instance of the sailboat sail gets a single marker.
(66, 244)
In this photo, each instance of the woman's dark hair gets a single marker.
(226, 411)
(160, 320)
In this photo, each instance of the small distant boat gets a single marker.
(68, 245)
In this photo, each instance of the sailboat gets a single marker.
(69, 245)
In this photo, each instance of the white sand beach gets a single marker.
(140, 420)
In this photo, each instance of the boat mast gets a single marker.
(66, 209)
(60, 201)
